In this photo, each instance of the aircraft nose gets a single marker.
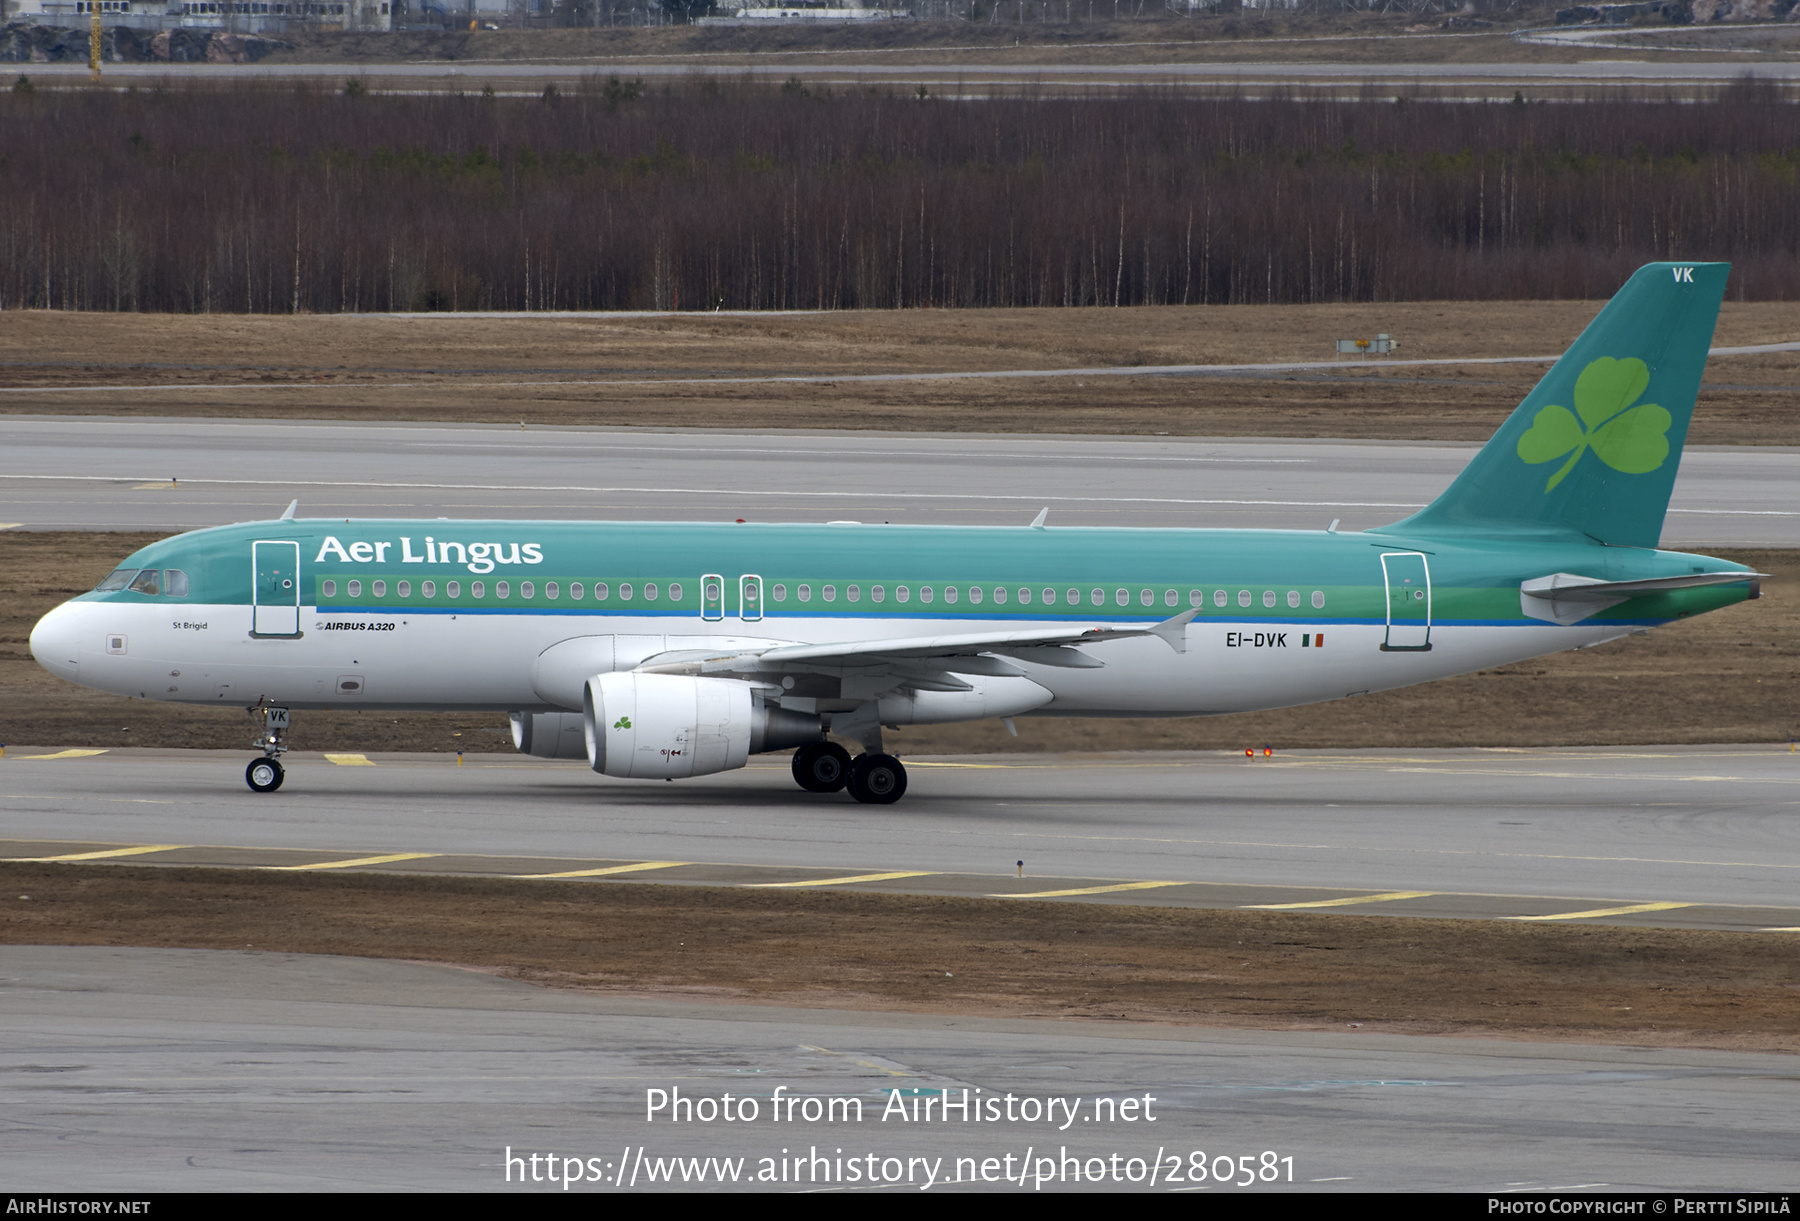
(56, 641)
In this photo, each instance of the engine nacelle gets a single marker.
(550, 735)
(671, 726)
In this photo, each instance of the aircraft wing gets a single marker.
(919, 659)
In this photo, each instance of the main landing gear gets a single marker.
(826, 767)
(265, 775)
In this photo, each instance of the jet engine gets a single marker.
(550, 735)
(670, 726)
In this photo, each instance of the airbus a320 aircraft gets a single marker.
(668, 650)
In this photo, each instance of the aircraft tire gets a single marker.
(264, 775)
(822, 767)
(877, 779)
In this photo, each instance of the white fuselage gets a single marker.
(203, 654)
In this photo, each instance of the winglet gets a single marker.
(1037, 523)
(1174, 631)
(292, 505)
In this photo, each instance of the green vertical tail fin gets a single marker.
(1594, 447)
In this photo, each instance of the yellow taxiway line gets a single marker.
(1390, 897)
(97, 856)
(1605, 911)
(1090, 890)
(861, 877)
(361, 860)
(602, 872)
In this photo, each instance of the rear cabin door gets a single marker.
(276, 589)
(1408, 602)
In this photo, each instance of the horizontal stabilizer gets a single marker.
(1565, 598)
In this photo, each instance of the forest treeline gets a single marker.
(703, 194)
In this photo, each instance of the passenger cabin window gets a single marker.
(502, 589)
(674, 592)
(428, 588)
(453, 589)
(380, 588)
(329, 589)
(624, 590)
(781, 593)
(650, 591)
(1218, 597)
(1318, 599)
(356, 589)
(1293, 597)
(406, 589)
(526, 589)
(477, 589)
(550, 590)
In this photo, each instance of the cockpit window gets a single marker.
(175, 583)
(118, 578)
(148, 581)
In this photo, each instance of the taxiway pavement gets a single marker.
(195, 1070)
(97, 473)
(1462, 79)
(1674, 836)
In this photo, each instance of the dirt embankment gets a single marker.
(1010, 958)
(718, 371)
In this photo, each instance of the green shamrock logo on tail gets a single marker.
(1633, 441)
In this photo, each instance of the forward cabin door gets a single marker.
(1408, 602)
(275, 592)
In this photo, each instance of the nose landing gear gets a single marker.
(265, 775)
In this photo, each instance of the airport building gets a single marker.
(266, 17)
